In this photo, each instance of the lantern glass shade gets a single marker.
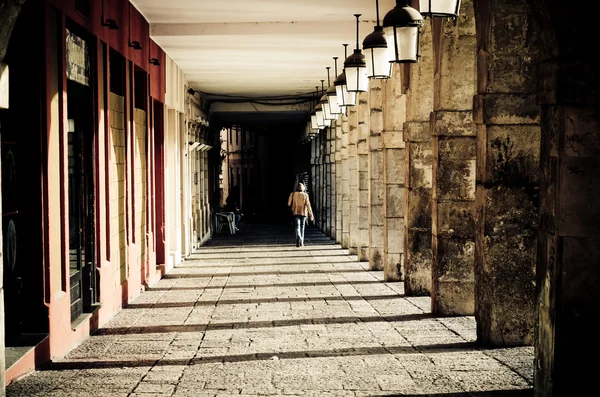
(320, 117)
(377, 54)
(404, 42)
(313, 122)
(357, 78)
(439, 8)
(332, 100)
(327, 122)
(378, 63)
(327, 112)
(402, 28)
(351, 98)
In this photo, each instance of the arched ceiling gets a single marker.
(259, 48)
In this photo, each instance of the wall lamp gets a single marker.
(136, 45)
(402, 27)
(111, 24)
(439, 8)
(377, 52)
(345, 98)
(154, 61)
(356, 68)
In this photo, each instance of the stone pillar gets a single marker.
(323, 164)
(454, 161)
(394, 116)
(507, 117)
(314, 180)
(419, 160)
(568, 271)
(376, 187)
(353, 176)
(362, 170)
(345, 186)
(331, 180)
(338, 179)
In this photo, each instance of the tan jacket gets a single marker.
(300, 204)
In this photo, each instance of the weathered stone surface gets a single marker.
(507, 109)
(417, 280)
(394, 205)
(513, 155)
(395, 166)
(456, 219)
(452, 123)
(458, 298)
(455, 179)
(455, 258)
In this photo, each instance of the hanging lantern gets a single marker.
(402, 28)
(313, 121)
(356, 68)
(439, 8)
(344, 97)
(332, 101)
(377, 53)
(320, 116)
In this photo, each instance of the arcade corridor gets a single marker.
(253, 315)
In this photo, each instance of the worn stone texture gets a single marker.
(251, 334)
(455, 168)
(353, 121)
(569, 237)
(338, 179)
(454, 165)
(376, 176)
(345, 186)
(419, 178)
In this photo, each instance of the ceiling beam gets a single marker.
(257, 28)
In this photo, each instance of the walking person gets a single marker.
(301, 209)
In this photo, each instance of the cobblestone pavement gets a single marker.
(253, 315)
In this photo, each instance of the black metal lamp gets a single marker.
(402, 27)
(325, 104)
(439, 8)
(136, 45)
(334, 106)
(356, 68)
(377, 52)
(345, 98)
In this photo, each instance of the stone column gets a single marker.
(507, 117)
(323, 159)
(394, 116)
(338, 179)
(330, 181)
(419, 160)
(345, 186)
(376, 187)
(353, 176)
(314, 180)
(454, 156)
(332, 187)
(362, 170)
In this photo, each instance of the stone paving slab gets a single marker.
(253, 315)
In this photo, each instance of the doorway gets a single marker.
(81, 173)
